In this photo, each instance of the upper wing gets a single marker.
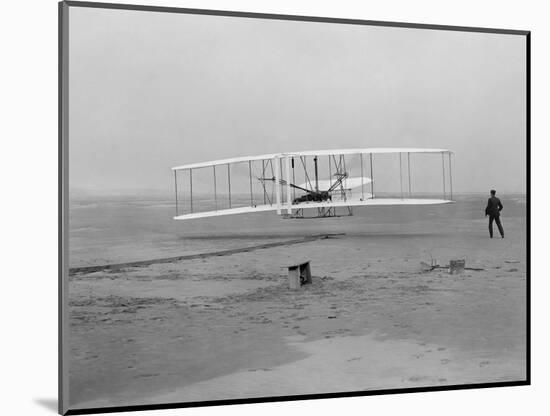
(372, 150)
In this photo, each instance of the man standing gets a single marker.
(494, 206)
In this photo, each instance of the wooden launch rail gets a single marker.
(144, 263)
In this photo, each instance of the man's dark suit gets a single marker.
(494, 206)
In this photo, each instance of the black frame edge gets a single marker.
(274, 16)
(528, 201)
(63, 66)
(270, 399)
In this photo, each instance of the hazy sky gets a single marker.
(149, 91)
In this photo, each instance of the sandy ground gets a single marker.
(231, 328)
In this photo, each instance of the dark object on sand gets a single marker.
(456, 266)
(299, 274)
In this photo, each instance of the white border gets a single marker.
(29, 241)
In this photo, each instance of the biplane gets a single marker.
(290, 184)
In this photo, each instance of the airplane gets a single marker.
(282, 194)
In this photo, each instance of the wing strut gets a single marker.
(273, 175)
(287, 174)
(176, 186)
(401, 175)
(263, 185)
(293, 180)
(329, 171)
(280, 176)
(338, 182)
(305, 171)
(229, 182)
(316, 174)
(371, 178)
(443, 166)
(250, 177)
(191, 187)
(215, 189)
(362, 178)
(277, 186)
(409, 169)
(451, 175)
